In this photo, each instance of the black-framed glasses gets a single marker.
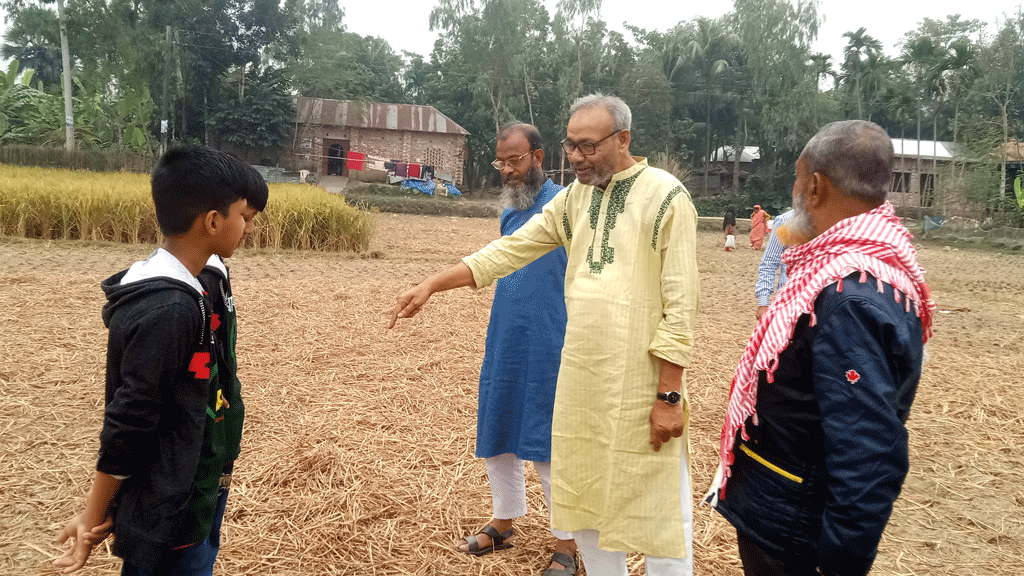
(585, 148)
(513, 162)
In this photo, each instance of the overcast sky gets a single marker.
(404, 23)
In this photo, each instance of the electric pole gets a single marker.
(167, 73)
(69, 114)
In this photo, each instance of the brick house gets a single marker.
(327, 130)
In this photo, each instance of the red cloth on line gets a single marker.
(355, 160)
(414, 170)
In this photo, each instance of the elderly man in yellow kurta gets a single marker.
(619, 482)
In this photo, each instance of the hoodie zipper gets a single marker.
(206, 321)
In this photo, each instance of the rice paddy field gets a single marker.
(358, 449)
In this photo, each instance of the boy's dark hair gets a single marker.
(192, 180)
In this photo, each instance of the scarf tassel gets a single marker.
(881, 286)
(814, 318)
(839, 285)
(896, 295)
(863, 276)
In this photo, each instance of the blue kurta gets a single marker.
(524, 344)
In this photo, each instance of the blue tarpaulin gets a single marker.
(452, 190)
(425, 187)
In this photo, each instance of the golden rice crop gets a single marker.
(48, 203)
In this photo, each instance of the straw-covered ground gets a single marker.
(358, 454)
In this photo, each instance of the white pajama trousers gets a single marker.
(507, 476)
(506, 473)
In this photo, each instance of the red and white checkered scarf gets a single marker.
(875, 243)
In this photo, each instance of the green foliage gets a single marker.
(24, 117)
(261, 117)
(772, 190)
(33, 40)
(346, 66)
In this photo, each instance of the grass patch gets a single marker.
(403, 201)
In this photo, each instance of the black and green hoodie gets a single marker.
(217, 284)
(164, 426)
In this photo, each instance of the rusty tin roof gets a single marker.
(374, 115)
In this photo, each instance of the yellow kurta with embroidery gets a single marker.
(631, 292)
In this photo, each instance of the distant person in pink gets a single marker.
(758, 227)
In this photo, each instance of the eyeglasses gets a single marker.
(585, 148)
(511, 162)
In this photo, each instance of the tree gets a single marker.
(862, 52)
(709, 49)
(261, 118)
(490, 67)
(20, 107)
(346, 66)
(784, 96)
(1001, 80)
(33, 41)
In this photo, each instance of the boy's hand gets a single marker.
(84, 533)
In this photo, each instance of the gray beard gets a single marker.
(800, 222)
(600, 175)
(520, 196)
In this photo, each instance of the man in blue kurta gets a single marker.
(520, 367)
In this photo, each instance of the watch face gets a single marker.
(672, 397)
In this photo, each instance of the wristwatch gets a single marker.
(671, 398)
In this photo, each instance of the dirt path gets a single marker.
(358, 455)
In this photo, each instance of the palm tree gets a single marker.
(961, 66)
(821, 65)
(709, 51)
(862, 47)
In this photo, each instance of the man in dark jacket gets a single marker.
(814, 446)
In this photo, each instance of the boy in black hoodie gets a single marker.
(173, 417)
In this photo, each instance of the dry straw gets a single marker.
(48, 204)
(358, 448)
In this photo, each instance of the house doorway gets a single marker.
(334, 157)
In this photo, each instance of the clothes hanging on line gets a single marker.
(355, 160)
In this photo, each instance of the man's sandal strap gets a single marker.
(565, 560)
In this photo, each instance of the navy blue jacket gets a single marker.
(817, 479)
